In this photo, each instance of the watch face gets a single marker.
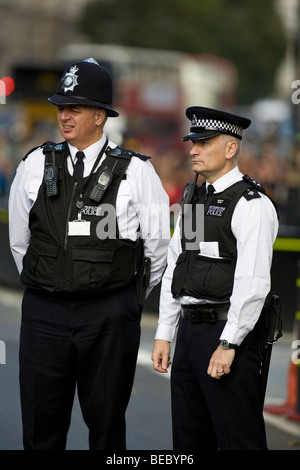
(224, 344)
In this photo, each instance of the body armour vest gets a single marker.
(58, 259)
(211, 277)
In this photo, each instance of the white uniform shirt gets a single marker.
(141, 202)
(255, 225)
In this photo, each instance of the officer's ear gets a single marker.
(100, 116)
(231, 147)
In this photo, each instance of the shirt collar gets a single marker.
(227, 180)
(91, 152)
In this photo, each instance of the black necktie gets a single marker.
(210, 190)
(78, 169)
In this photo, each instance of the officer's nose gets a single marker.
(63, 113)
(194, 150)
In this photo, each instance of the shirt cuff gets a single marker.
(166, 332)
(233, 334)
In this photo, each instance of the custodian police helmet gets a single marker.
(208, 122)
(85, 83)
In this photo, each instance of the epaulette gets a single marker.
(125, 153)
(254, 183)
(53, 147)
(255, 193)
(251, 194)
(48, 147)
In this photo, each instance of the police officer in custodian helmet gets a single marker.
(87, 243)
(215, 284)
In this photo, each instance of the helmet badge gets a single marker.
(69, 81)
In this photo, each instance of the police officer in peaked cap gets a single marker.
(215, 285)
(74, 235)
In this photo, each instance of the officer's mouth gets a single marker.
(67, 128)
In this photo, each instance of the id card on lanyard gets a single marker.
(79, 227)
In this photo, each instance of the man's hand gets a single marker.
(220, 362)
(161, 355)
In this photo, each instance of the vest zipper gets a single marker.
(65, 245)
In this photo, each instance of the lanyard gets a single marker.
(81, 186)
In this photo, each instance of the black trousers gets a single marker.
(67, 342)
(213, 414)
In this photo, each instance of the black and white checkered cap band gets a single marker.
(215, 125)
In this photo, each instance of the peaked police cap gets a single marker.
(85, 83)
(207, 123)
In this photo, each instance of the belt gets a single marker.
(209, 313)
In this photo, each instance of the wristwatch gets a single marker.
(225, 345)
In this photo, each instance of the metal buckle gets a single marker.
(209, 315)
(201, 314)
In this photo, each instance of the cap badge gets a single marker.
(70, 79)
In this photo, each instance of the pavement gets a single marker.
(148, 414)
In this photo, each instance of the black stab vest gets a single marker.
(206, 277)
(91, 264)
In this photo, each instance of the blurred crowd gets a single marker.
(275, 166)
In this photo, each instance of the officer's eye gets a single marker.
(75, 109)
